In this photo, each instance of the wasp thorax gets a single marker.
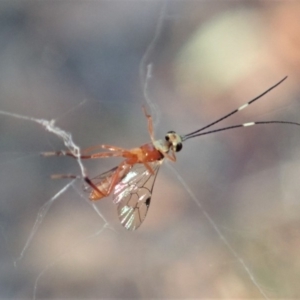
(174, 141)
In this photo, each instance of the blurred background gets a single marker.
(78, 62)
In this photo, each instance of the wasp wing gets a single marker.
(133, 195)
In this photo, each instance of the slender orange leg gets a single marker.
(91, 156)
(60, 176)
(86, 179)
(113, 148)
(150, 124)
(115, 179)
(109, 147)
(105, 154)
(68, 153)
(121, 153)
(91, 149)
(172, 156)
(65, 153)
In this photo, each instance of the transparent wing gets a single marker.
(133, 195)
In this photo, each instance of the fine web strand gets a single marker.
(40, 217)
(63, 255)
(75, 150)
(146, 65)
(50, 126)
(219, 232)
(74, 246)
(72, 109)
(14, 160)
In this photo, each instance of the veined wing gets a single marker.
(133, 194)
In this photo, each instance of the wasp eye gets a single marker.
(178, 147)
(167, 138)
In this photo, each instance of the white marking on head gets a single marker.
(174, 140)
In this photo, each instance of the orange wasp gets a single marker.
(132, 181)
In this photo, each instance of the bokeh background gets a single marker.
(78, 62)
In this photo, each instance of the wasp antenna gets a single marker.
(185, 137)
(240, 126)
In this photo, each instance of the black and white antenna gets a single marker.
(199, 131)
